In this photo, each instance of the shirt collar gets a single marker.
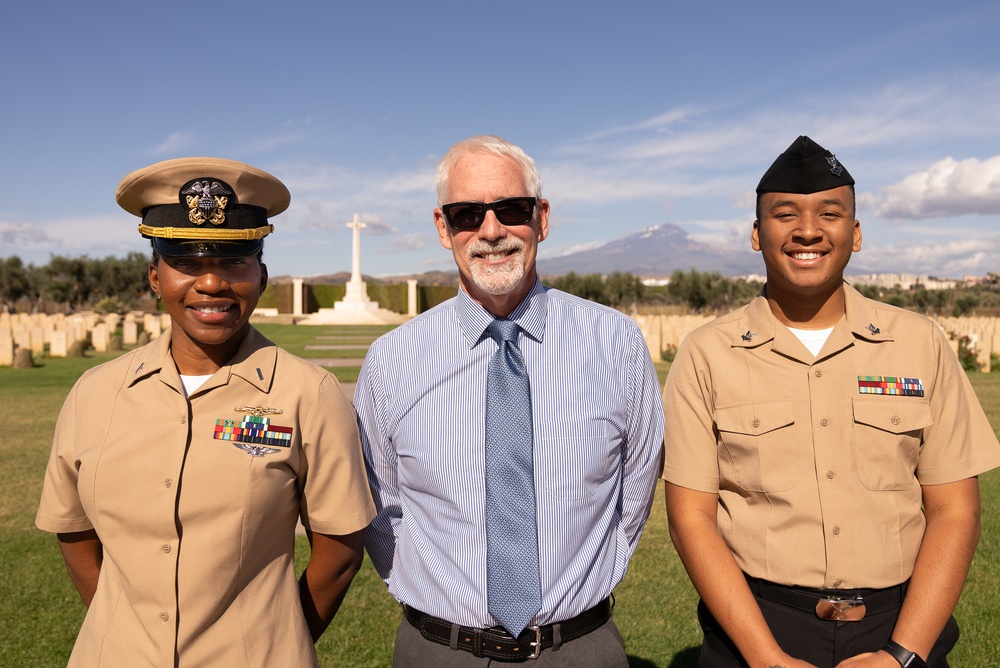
(759, 326)
(254, 362)
(529, 315)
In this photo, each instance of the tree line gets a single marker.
(119, 282)
(76, 281)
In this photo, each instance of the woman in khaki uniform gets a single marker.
(179, 470)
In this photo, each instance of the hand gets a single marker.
(878, 659)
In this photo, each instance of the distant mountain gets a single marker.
(658, 251)
(654, 251)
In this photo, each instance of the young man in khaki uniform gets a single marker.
(821, 453)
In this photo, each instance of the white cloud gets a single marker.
(954, 259)
(948, 188)
(175, 143)
(24, 235)
(692, 153)
(408, 242)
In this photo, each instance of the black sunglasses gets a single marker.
(470, 215)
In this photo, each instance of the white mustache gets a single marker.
(505, 245)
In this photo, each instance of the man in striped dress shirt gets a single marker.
(595, 439)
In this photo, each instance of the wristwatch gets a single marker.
(906, 658)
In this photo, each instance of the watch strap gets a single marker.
(906, 658)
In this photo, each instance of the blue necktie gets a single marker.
(512, 580)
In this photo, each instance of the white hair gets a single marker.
(492, 145)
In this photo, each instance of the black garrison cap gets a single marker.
(805, 167)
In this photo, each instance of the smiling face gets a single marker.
(496, 263)
(210, 300)
(806, 242)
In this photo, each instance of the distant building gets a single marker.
(903, 281)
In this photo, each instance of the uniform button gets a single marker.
(836, 531)
(755, 423)
(184, 419)
(830, 474)
(818, 373)
(837, 583)
(895, 419)
(166, 549)
(168, 482)
(824, 422)
(164, 616)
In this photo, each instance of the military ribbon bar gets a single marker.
(891, 385)
(253, 429)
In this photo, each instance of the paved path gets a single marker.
(335, 346)
(336, 361)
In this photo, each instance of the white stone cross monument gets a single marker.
(355, 308)
(356, 298)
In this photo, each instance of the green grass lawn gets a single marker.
(40, 611)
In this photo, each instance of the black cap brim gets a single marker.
(178, 248)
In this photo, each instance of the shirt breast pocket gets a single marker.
(888, 432)
(577, 467)
(761, 451)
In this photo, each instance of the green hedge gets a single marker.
(392, 297)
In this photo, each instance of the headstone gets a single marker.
(6, 350)
(57, 344)
(37, 340)
(130, 332)
(99, 337)
(22, 338)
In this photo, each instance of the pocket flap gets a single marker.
(756, 418)
(895, 415)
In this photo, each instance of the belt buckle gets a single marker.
(536, 644)
(840, 609)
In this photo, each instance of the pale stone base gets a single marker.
(334, 316)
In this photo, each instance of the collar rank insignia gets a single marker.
(835, 167)
(206, 202)
(749, 335)
(252, 431)
(891, 385)
(872, 328)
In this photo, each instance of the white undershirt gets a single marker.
(192, 383)
(813, 339)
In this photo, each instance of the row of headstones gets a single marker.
(664, 333)
(983, 334)
(57, 334)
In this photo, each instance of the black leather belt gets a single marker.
(496, 643)
(832, 604)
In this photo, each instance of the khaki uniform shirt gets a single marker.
(198, 531)
(818, 475)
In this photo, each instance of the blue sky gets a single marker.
(636, 114)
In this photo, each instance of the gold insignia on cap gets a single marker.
(206, 201)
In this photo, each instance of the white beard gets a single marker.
(497, 279)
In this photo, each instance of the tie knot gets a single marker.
(503, 330)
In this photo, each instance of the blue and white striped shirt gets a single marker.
(597, 415)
